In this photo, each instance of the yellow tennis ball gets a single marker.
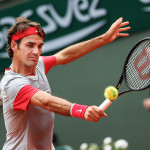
(111, 93)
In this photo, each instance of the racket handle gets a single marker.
(105, 104)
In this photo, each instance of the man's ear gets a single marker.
(13, 45)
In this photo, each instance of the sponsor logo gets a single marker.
(142, 64)
(81, 11)
(79, 111)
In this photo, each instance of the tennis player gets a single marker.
(28, 104)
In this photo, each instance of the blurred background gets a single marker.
(83, 81)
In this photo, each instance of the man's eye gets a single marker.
(31, 46)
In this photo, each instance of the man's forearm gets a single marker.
(51, 103)
(78, 50)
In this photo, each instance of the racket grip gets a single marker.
(105, 104)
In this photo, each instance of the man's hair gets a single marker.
(21, 25)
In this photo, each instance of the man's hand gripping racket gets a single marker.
(136, 70)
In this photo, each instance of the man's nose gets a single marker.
(35, 50)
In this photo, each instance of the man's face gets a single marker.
(29, 50)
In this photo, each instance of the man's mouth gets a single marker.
(34, 58)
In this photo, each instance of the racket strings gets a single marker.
(137, 70)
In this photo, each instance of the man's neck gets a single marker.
(23, 69)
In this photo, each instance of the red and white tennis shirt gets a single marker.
(28, 127)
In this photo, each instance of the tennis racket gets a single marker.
(136, 70)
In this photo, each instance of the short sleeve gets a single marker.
(49, 62)
(17, 98)
(23, 97)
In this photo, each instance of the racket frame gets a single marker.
(108, 102)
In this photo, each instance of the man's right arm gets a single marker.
(51, 103)
(63, 107)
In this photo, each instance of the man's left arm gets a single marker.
(78, 50)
